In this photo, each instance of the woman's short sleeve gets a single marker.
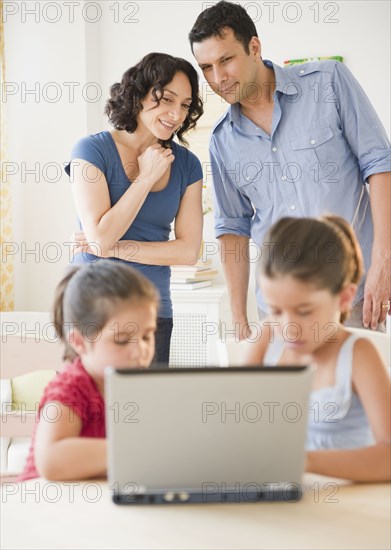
(194, 169)
(90, 149)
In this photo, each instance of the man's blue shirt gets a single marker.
(326, 141)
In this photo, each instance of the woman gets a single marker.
(131, 183)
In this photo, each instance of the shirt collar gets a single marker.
(284, 83)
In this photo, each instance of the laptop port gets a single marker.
(183, 496)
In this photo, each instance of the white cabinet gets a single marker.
(198, 318)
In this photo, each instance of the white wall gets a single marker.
(73, 48)
(41, 126)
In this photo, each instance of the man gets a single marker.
(299, 141)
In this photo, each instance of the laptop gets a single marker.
(203, 435)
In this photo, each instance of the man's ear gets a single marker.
(255, 47)
(346, 297)
(76, 341)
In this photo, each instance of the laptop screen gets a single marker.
(188, 429)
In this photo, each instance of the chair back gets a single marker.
(30, 355)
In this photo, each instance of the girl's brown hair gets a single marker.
(321, 251)
(89, 295)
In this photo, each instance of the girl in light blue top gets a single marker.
(308, 273)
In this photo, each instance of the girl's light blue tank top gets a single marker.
(336, 416)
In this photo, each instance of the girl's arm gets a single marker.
(371, 382)
(104, 224)
(184, 249)
(367, 464)
(61, 454)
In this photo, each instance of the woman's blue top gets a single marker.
(153, 221)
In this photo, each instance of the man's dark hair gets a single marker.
(212, 22)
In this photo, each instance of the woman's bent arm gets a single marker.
(102, 223)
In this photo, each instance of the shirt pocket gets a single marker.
(315, 150)
(254, 183)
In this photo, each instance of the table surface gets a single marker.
(332, 514)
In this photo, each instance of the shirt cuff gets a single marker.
(233, 226)
(378, 164)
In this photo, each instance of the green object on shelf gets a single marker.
(290, 62)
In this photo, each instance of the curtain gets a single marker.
(7, 264)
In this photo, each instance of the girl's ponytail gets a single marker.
(356, 268)
(354, 264)
(58, 312)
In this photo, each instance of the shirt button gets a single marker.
(274, 149)
(293, 207)
(247, 178)
(302, 71)
(283, 178)
(312, 142)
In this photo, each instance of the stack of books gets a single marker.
(191, 277)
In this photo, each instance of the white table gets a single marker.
(332, 515)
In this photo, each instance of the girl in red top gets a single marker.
(105, 313)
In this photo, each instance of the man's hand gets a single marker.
(242, 330)
(377, 292)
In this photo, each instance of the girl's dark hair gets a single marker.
(213, 21)
(154, 71)
(322, 251)
(89, 295)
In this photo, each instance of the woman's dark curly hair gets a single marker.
(154, 71)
